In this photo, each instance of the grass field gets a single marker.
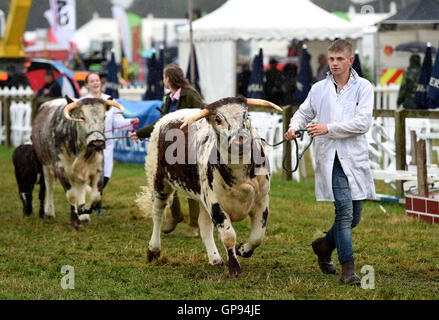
(109, 254)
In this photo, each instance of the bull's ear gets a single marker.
(69, 100)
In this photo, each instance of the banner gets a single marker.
(62, 20)
(255, 87)
(303, 85)
(433, 86)
(112, 83)
(424, 79)
(126, 150)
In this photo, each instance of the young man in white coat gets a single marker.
(342, 106)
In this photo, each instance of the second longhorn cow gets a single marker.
(68, 138)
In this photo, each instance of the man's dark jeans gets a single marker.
(347, 215)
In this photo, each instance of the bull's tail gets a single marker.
(144, 202)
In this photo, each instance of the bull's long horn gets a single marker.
(263, 103)
(202, 114)
(115, 104)
(70, 107)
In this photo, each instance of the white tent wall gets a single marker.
(276, 20)
(217, 80)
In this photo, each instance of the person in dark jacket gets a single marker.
(407, 91)
(51, 89)
(274, 82)
(181, 96)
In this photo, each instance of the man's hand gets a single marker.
(316, 129)
(133, 136)
(134, 121)
(290, 135)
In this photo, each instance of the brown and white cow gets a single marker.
(68, 138)
(213, 156)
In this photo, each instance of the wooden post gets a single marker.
(34, 103)
(7, 107)
(286, 116)
(421, 159)
(400, 150)
(413, 144)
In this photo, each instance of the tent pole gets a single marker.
(191, 39)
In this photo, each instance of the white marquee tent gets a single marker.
(215, 36)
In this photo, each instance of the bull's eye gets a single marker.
(218, 120)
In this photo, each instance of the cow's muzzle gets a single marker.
(97, 145)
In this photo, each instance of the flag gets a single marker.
(196, 82)
(112, 83)
(120, 16)
(154, 79)
(357, 65)
(424, 78)
(433, 86)
(303, 84)
(62, 20)
(255, 87)
(135, 23)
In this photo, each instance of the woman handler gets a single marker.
(113, 120)
(181, 96)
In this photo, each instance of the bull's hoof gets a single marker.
(152, 255)
(41, 213)
(45, 216)
(75, 224)
(241, 252)
(84, 218)
(217, 263)
(98, 209)
(234, 267)
(27, 212)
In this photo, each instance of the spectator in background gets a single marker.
(51, 89)
(289, 85)
(409, 83)
(274, 82)
(323, 68)
(242, 79)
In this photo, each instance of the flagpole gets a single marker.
(191, 39)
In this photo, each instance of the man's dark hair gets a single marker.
(341, 45)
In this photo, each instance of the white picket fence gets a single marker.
(21, 111)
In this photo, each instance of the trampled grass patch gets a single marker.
(109, 254)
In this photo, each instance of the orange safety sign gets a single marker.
(3, 76)
(389, 76)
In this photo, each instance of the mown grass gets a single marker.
(109, 254)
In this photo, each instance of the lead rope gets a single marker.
(300, 133)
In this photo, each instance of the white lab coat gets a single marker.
(348, 118)
(113, 120)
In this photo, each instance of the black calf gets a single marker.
(28, 172)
